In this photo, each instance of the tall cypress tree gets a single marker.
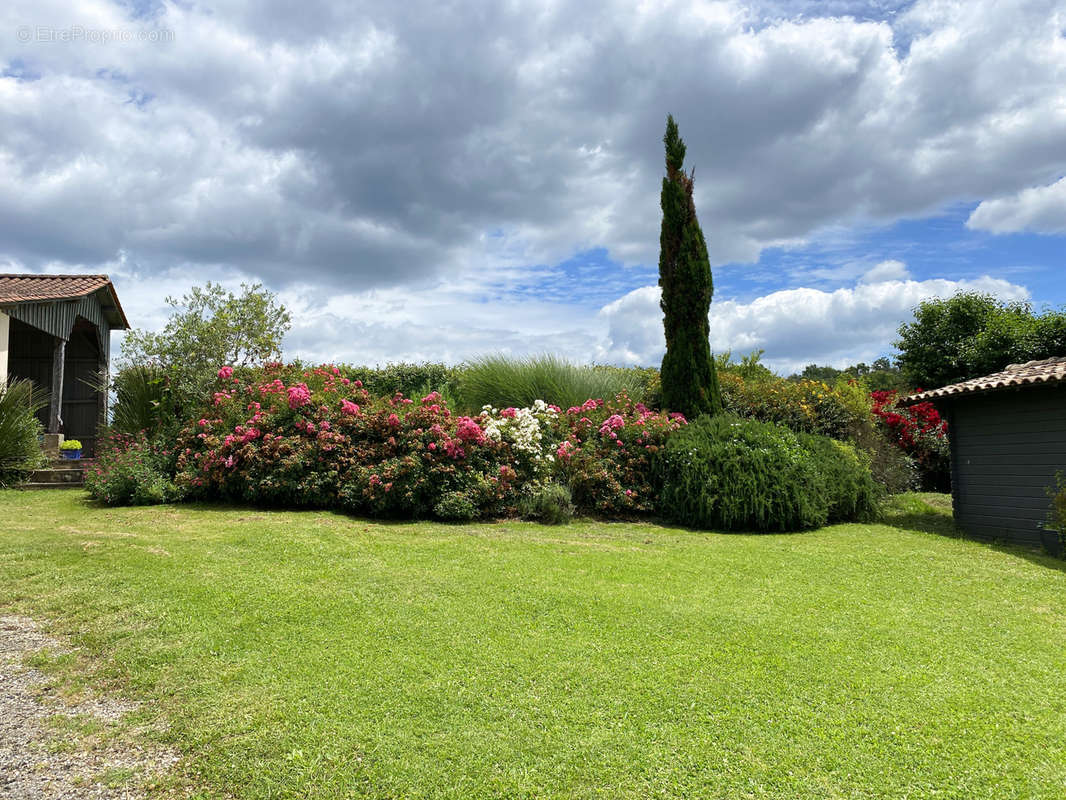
(689, 381)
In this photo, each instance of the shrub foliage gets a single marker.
(131, 470)
(728, 473)
(312, 437)
(299, 436)
(920, 432)
(607, 455)
(1056, 520)
(550, 504)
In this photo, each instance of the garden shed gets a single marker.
(56, 331)
(1008, 439)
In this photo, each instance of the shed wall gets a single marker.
(1006, 447)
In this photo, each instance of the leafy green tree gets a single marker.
(689, 381)
(814, 372)
(973, 334)
(879, 376)
(750, 367)
(210, 328)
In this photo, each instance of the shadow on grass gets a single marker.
(931, 513)
(251, 509)
(923, 512)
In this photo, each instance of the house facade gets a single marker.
(55, 330)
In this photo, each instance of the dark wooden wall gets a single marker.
(1006, 447)
(30, 356)
(81, 400)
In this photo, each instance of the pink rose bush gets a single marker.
(311, 438)
(295, 436)
(607, 455)
(602, 450)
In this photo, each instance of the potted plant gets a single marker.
(1053, 532)
(71, 448)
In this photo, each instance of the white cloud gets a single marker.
(380, 169)
(376, 149)
(1040, 209)
(891, 270)
(794, 326)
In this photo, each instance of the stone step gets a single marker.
(62, 472)
(58, 477)
(34, 486)
(70, 463)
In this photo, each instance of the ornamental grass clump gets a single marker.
(20, 448)
(501, 381)
(728, 473)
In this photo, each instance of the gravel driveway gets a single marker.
(39, 761)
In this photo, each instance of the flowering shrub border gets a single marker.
(311, 437)
(296, 436)
(607, 455)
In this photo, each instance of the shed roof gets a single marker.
(1050, 370)
(21, 288)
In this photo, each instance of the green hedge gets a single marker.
(410, 379)
(729, 473)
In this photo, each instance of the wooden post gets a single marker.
(55, 416)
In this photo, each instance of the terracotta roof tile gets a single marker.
(1050, 370)
(22, 288)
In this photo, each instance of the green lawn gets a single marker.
(314, 655)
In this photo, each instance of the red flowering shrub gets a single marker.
(920, 432)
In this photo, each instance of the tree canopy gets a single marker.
(973, 334)
(209, 328)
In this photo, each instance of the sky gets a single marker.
(434, 181)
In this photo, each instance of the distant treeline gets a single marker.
(882, 375)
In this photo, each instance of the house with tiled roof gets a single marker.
(1008, 439)
(56, 331)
